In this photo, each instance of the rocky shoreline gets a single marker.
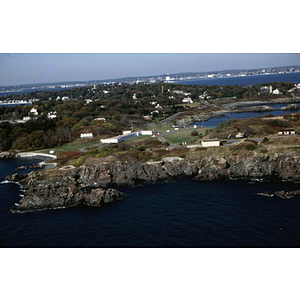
(97, 184)
(7, 155)
(60, 192)
(256, 106)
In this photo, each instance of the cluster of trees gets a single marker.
(115, 103)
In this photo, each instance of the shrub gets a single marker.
(227, 123)
(250, 147)
(79, 161)
(264, 151)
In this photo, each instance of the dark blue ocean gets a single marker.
(183, 213)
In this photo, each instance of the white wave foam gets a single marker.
(5, 181)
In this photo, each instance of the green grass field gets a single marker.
(74, 146)
(184, 136)
(157, 127)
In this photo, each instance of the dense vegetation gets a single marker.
(121, 105)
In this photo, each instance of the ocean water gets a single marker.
(213, 122)
(245, 80)
(184, 213)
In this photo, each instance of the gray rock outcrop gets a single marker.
(7, 155)
(92, 185)
(60, 192)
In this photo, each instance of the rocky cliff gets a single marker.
(93, 185)
(59, 192)
(7, 155)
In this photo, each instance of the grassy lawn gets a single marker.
(157, 127)
(74, 146)
(184, 136)
(140, 138)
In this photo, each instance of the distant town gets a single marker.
(164, 78)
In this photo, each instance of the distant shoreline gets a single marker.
(273, 101)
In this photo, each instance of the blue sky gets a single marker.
(18, 68)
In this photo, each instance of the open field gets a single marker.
(157, 127)
(184, 136)
(74, 146)
(137, 139)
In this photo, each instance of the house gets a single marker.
(187, 100)
(25, 119)
(240, 135)
(194, 133)
(210, 143)
(86, 135)
(147, 118)
(119, 138)
(154, 112)
(34, 111)
(100, 119)
(276, 92)
(52, 115)
(127, 134)
(147, 132)
(286, 132)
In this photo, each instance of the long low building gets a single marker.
(126, 135)
(210, 143)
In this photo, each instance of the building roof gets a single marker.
(286, 130)
(211, 140)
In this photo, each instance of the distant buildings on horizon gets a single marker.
(174, 78)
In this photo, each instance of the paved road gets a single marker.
(171, 118)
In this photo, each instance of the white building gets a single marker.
(276, 92)
(25, 119)
(210, 143)
(287, 132)
(100, 119)
(86, 135)
(187, 100)
(119, 138)
(127, 135)
(127, 132)
(52, 115)
(147, 132)
(154, 112)
(34, 111)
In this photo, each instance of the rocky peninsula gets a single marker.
(96, 184)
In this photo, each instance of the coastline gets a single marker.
(47, 158)
(274, 101)
(98, 184)
(35, 154)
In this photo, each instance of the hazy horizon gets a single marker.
(36, 68)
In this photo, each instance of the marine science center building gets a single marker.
(127, 135)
